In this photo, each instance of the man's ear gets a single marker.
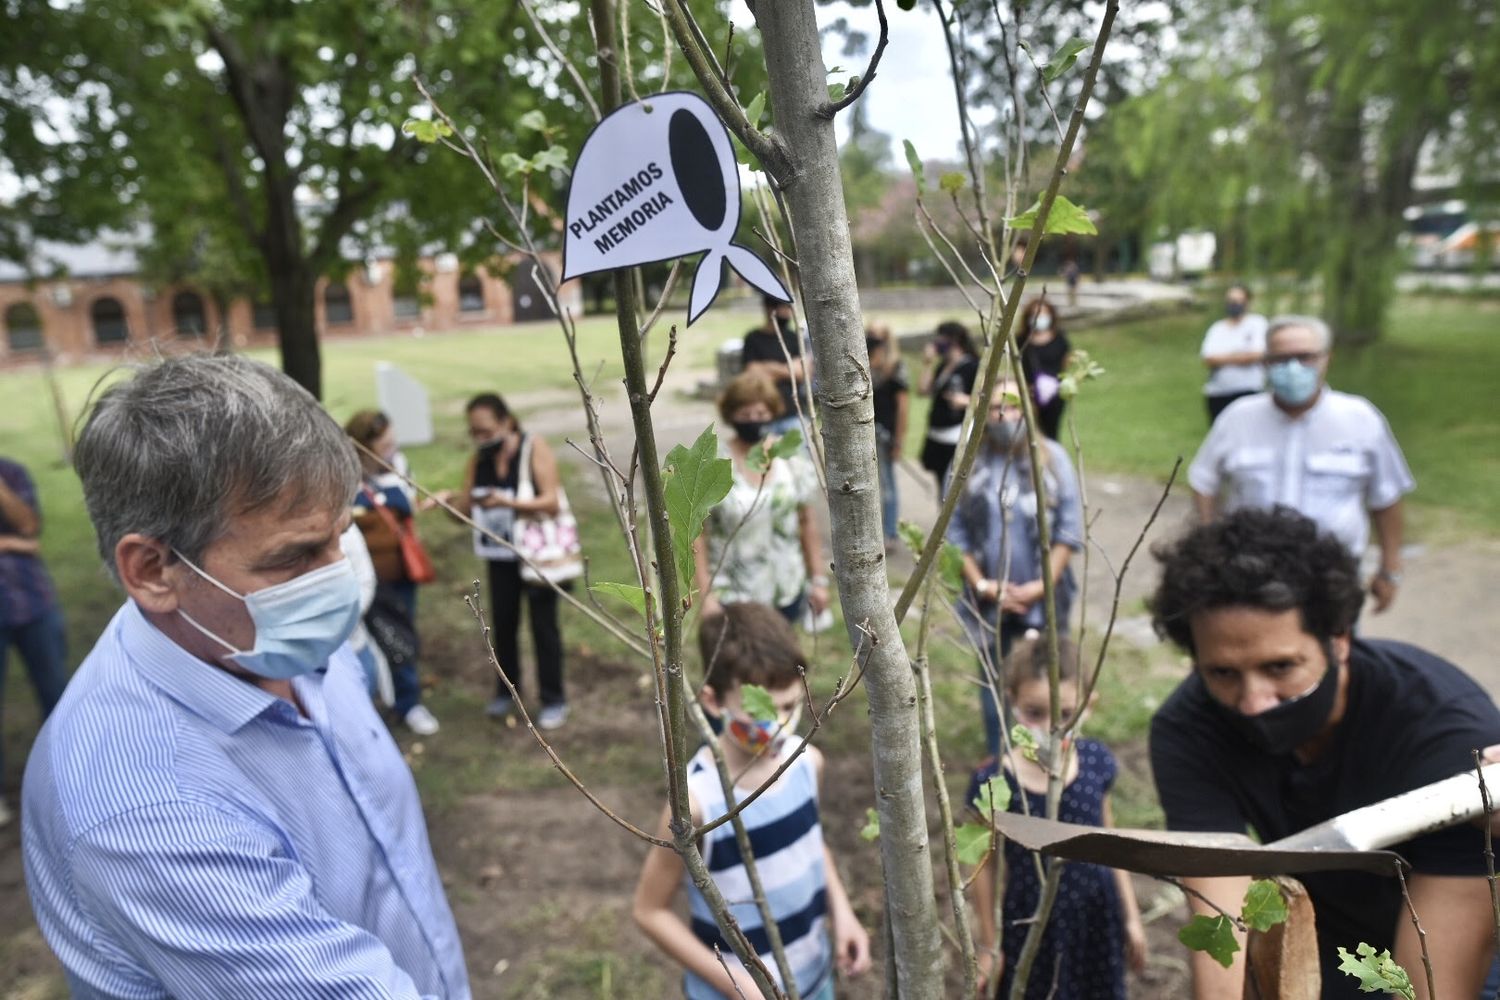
(148, 572)
(1341, 645)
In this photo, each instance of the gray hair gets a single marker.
(1317, 326)
(180, 446)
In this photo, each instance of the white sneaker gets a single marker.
(5, 814)
(552, 717)
(421, 721)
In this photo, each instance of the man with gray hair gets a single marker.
(1326, 454)
(215, 809)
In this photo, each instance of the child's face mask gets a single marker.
(756, 736)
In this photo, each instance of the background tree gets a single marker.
(274, 125)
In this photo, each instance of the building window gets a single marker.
(470, 294)
(338, 308)
(188, 316)
(23, 327)
(263, 315)
(407, 307)
(110, 326)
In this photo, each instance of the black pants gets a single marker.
(1216, 404)
(506, 590)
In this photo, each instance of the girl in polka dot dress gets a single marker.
(1095, 928)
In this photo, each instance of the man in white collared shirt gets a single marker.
(1327, 454)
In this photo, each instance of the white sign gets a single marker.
(404, 400)
(656, 180)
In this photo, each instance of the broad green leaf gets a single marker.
(1214, 935)
(952, 182)
(764, 453)
(756, 109)
(630, 594)
(871, 829)
(835, 92)
(1264, 905)
(514, 163)
(1022, 739)
(971, 842)
(696, 480)
(425, 130)
(1376, 973)
(951, 565)
(994, 796)
(551, 158)
(912, 535)
(758, 703)
(1065, 217)
(534, 120)
(1064, 59)
(915, 163)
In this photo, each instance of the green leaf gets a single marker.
(1264, 905)
(764, 453)
(631, 595)
(533, 120)
(758, 703)
(425, 130)
(756, 109)
(952, 182)
(993, 797)
(551, 158)
(912, 535)
(514, 163)
(835, 92)
(951, 565)
(1376, 973)
(1081, 368)
(871, 829)
(915, 163)
(696, 480)
(1064, 59)
(1023, 740)
(1065, 217)
(1214, 935)
(972, 842)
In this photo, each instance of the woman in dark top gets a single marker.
(491, 483)
(949, 376)
(1044, 356)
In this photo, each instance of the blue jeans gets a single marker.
(888, 498)
(1009, 633)
(42, 644)
(404, 679)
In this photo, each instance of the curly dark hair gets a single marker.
(1274, 560)
(748, 643)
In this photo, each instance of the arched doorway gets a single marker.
(23, 328)
(188, 315)
(110, 325)
(470, 294)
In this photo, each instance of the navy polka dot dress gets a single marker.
(1083, 951)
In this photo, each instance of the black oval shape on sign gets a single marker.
(696, 166)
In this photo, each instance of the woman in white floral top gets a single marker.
(762, 543)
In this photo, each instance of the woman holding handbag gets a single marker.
(383, 511)
(529, 541)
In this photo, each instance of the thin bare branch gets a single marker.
(1400, 867)
(661, 300)
(661, 373)
(833, 108)
(1489, 846)
(1233, 918)
(567, 64)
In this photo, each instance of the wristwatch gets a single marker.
(1389, 576)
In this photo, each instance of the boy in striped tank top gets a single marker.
(753, 644)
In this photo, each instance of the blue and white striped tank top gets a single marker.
(787, 841)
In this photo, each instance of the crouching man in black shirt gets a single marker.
(1288, 720)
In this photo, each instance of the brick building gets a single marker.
(101, 307)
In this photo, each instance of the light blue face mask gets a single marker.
(1293, 382)
(298, 624)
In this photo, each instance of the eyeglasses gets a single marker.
(1301, 357)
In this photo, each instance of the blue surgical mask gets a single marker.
(1292, 382)
(298, 624)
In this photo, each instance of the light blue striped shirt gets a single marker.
(188, 834)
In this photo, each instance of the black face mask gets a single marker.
(1280, 730)
(784, 325)
(750, 431)
(1234, 310)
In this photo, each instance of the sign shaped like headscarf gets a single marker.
(657, 180)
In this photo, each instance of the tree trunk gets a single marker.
(293, 293)
(815, 198)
